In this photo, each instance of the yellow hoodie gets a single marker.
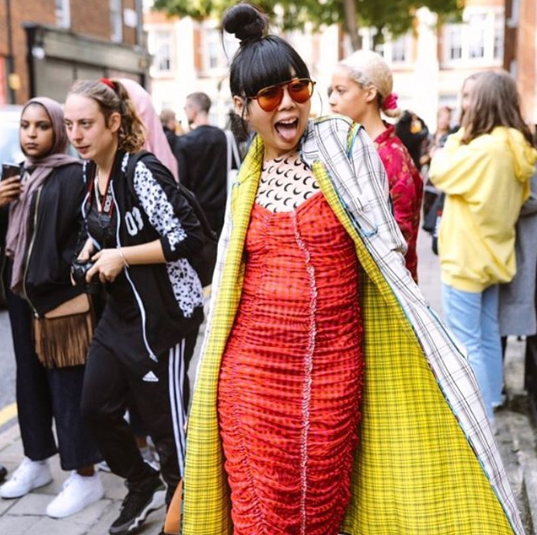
(486, 182)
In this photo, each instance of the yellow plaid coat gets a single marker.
(427, 463)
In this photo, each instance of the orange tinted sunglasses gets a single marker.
(300, 90)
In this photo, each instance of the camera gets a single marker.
(78, 272)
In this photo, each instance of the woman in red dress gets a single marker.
(289, 392)
(300, 376)
(361, 89)
(321, 402)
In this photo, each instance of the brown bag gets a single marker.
(172, 524)
(62, 337)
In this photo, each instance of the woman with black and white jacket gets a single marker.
(141, 233)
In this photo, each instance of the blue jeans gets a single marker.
(473, 317)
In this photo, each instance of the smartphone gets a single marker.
(9, 170)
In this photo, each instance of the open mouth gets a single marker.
(287, 129)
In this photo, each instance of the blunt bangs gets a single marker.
(271, 61)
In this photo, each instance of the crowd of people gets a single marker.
(329, 398)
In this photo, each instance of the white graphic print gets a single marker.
(184, 280)
(157, 207)
(134, 221)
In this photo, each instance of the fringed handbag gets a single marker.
(62, 337)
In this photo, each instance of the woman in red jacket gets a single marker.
(362, 89)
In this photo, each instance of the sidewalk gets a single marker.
(516, 438)
(27, 515)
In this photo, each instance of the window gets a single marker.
(116, 21)
(498, 37)
(454, 42)
(215, 56)
(477, 34)
(162, 51)
(478, 41)
(63, 14)
(212, 50)
(401, 49)
(397, 50)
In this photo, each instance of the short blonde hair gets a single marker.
(367, 68)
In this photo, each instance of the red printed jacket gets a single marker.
(406, 190)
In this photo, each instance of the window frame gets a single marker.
(62, 9)
(116, 21)
(493, 39)
(159, 37)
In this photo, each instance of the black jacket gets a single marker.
(54, 225)
(150, 206)
(203, 170)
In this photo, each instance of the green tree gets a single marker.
(395, 16)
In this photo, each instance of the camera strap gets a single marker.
(105, 208)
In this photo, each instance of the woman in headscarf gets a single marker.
(42, 234)
(155, 138)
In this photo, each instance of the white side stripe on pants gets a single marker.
(176, 375)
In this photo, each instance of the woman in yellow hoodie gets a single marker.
(484, 170)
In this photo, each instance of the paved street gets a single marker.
(516, 438)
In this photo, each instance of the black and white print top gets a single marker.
(150, 207)
(185, 282)
(286, 182)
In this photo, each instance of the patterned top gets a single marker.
(406, 191)
(286, 182)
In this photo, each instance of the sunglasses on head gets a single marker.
(299, 89)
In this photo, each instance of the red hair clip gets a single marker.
(108, 82)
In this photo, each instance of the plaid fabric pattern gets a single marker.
(424, 425)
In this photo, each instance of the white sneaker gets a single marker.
(28, 476)
(77, 493)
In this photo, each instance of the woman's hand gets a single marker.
(10, 189)
(87, 251)
(108, 265)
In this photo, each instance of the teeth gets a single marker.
(289, 121)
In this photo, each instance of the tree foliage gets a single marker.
(395, 16)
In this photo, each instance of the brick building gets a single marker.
(429, 63)
(46, 44)
(521, 51)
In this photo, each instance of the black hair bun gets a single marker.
(246, 22)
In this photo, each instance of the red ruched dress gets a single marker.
(291, 377)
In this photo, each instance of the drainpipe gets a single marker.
(10, 58)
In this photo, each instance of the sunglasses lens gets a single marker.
(270, 98)
(301, 90)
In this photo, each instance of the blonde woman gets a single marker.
(362, 89)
